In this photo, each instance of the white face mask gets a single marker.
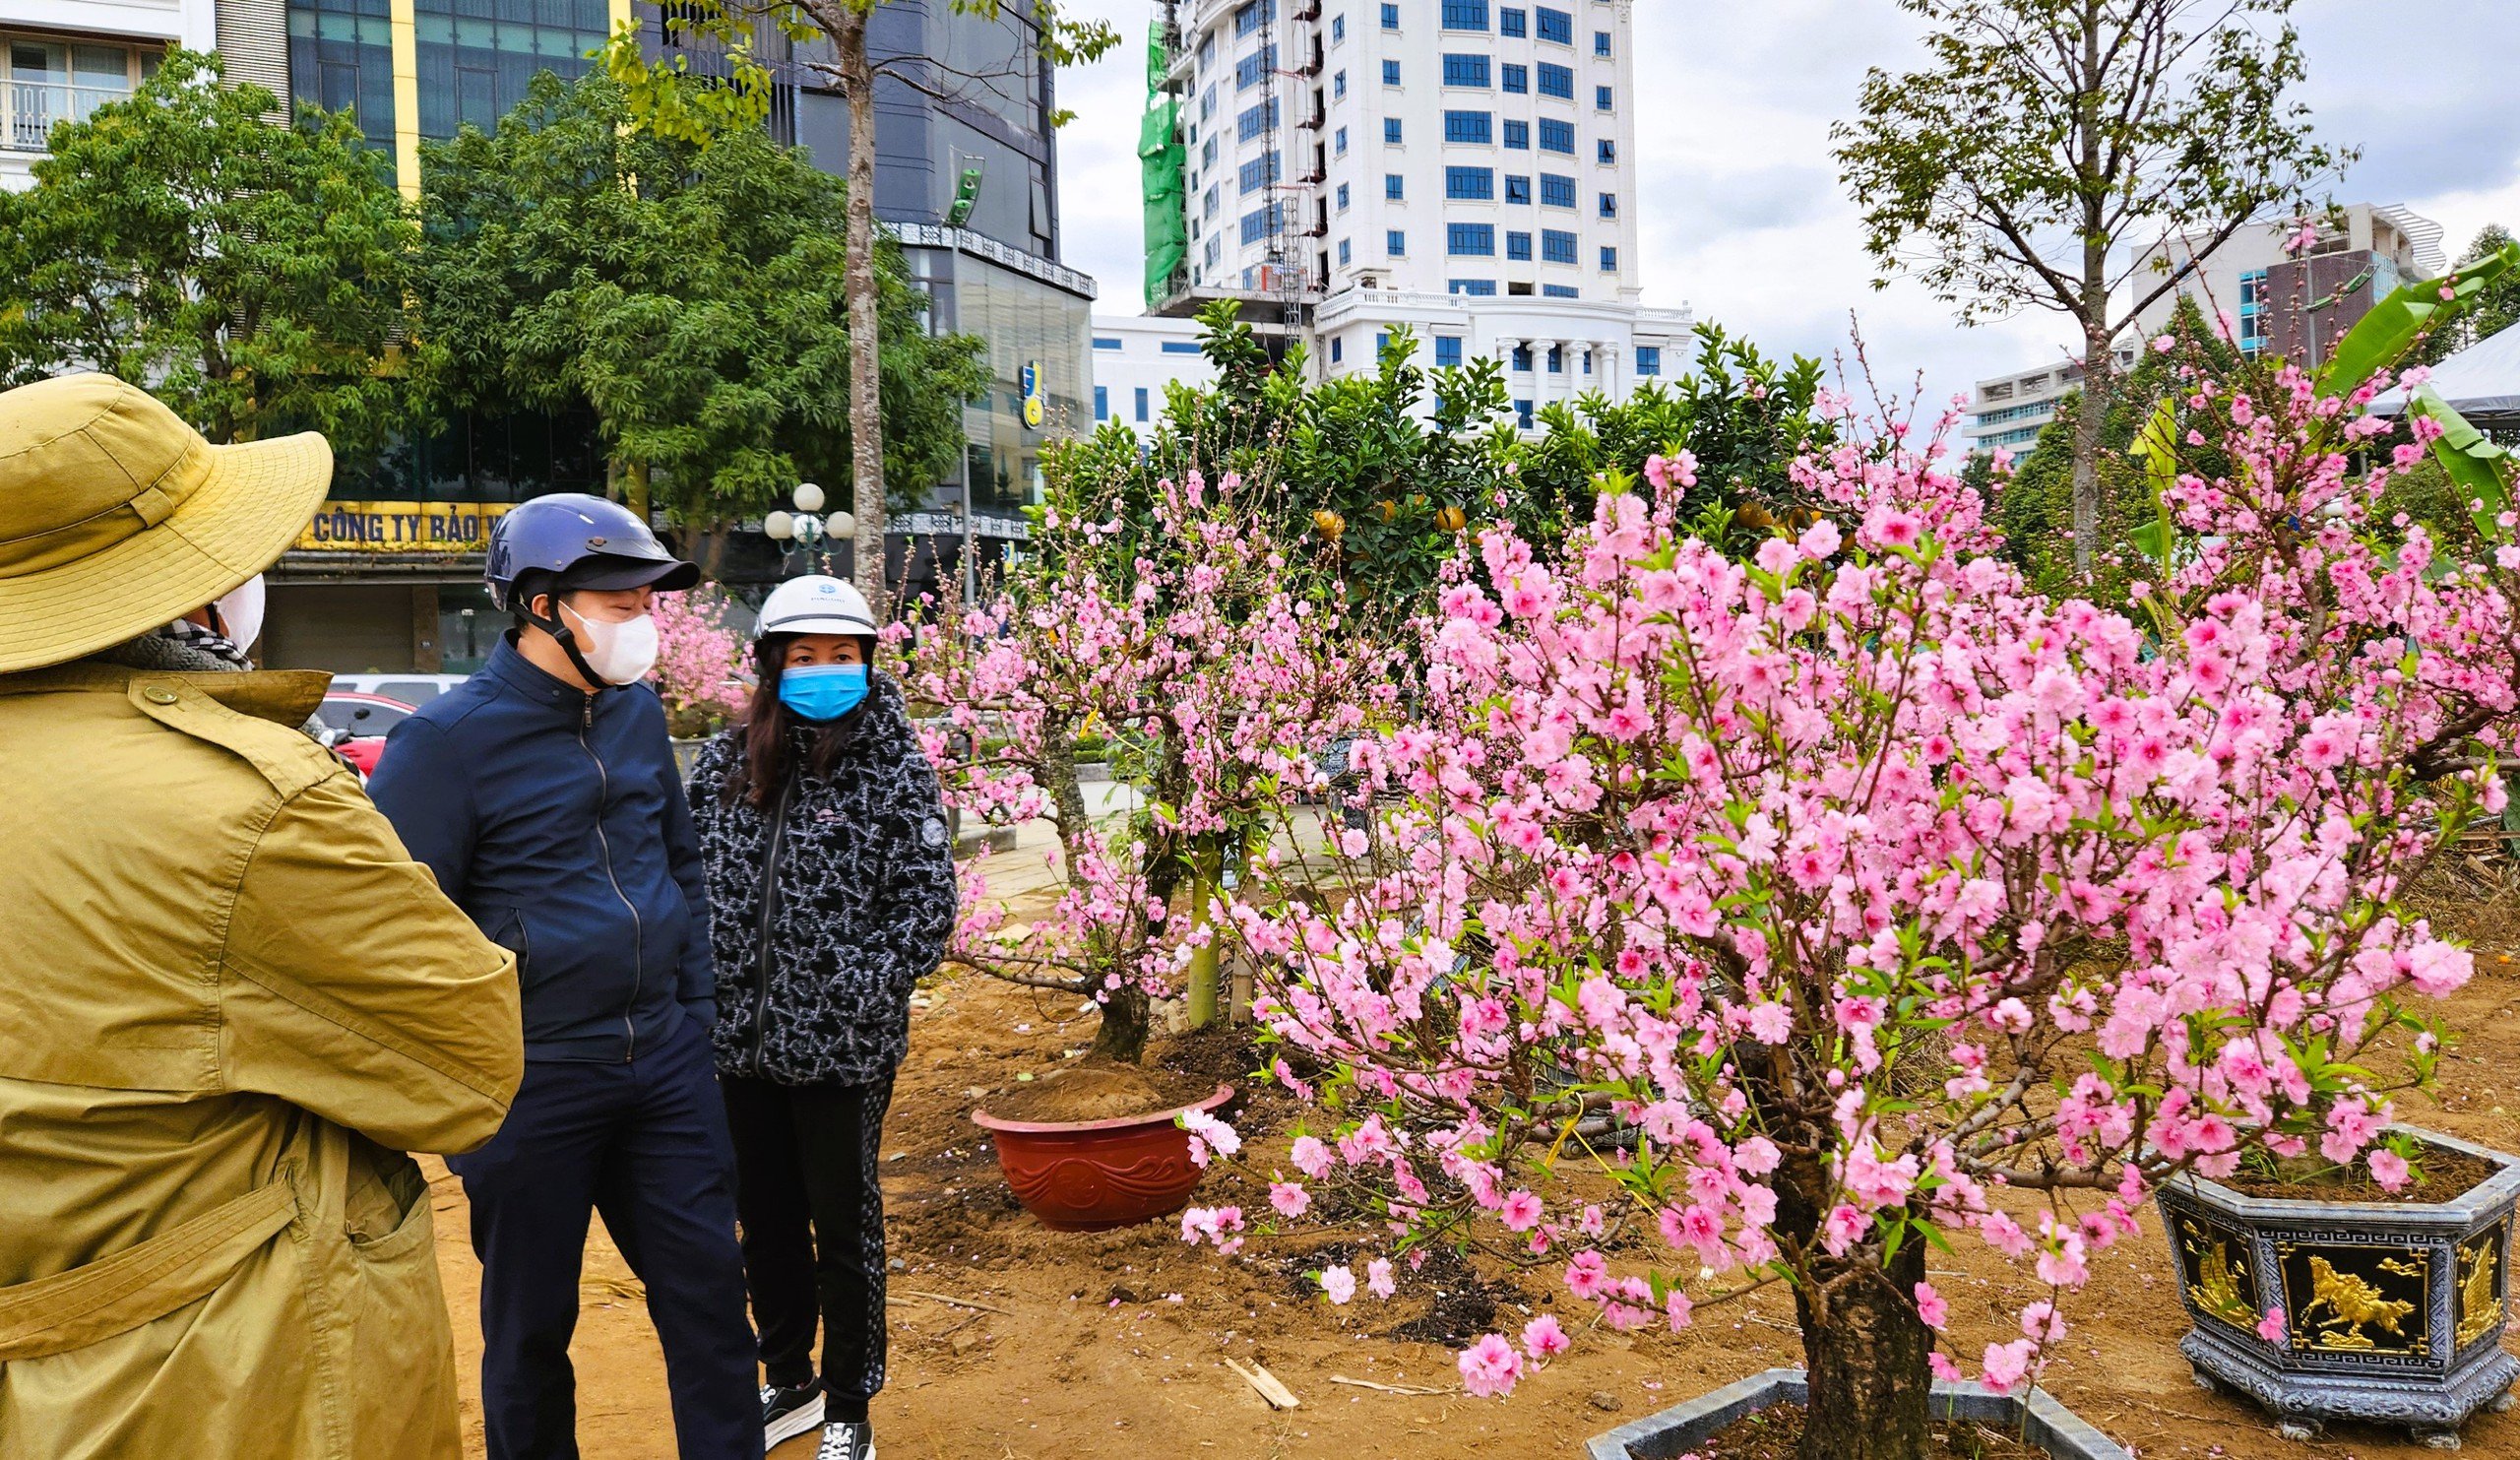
(619, 653)
(240, 614)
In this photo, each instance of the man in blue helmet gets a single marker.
(544, 794)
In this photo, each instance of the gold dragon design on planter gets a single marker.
(2480, 1306)
(2216, 1288)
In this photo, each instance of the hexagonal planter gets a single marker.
(2393, 1312)
(2040, 1420)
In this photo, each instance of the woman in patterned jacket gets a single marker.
(830, 891)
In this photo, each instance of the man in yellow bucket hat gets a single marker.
(230, 1001)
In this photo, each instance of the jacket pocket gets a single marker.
(399, 1325)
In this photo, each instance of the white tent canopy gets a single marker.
(2482, 380)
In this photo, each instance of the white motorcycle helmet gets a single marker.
(815, 605)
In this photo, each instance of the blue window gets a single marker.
(1464, 71)
(1478, 184)
(1510, 22)
(1382, 344)
(1605, 151)
(1477, 288)
(1212, 202)
(1336, 348)
(1180, 347)
(1523, 414)
(1649, 359)
(1393, 186)
(1518, 245)
(1260, 222)
(1102, 403)
(1391, 130)
(1471, 240)
(1207, 103)
(1600, 40)
(1601, 98)
(2254, 298)
(1560, 291)
(1557, 136)
(1253, 121)
(1343, 251)
(1248, 70)
(1390, 73)
(1557, 81)
(1516, 79)
(1343, 196)
(1609, 205)
(1247, 18)
(1338, 31)
(1610, 259)
(1141, 403)
(1390, 17)
(1556, 246)
(1556, 360)
(1464, 15)
(1339, 85)
(1208, 153)
(1554, 25)
(1467, 126)
(1106, 341)
(1556, 191)
(1339, 143)
(1396, 244)
(1523, 358)
(1447, 352)
(1260, 173)
(1518, 189)
(1519, 134)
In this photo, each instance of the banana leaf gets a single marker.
(2478, 468)
(2381, 338)
(2158, 447)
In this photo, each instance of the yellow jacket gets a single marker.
(228, 1002)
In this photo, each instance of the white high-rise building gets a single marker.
(1463, 167)
(62, 59)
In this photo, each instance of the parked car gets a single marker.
(360, 722)
(411, 689)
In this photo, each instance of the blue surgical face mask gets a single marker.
(822, 691)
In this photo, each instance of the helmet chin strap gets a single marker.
(567, 639)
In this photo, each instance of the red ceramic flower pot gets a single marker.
(1090, 1176)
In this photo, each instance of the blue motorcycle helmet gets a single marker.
(570, 541)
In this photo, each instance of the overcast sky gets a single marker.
(1742, 213)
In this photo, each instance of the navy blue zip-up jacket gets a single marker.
(558, 820)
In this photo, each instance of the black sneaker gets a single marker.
(847, 1440)
(788, 1413)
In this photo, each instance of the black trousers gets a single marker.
(813, 1230)
(646, 1144)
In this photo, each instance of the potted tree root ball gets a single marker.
(2324, 1294)
(1099, 1147)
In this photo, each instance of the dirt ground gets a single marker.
(1114, 1343)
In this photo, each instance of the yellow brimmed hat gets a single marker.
(117, 518)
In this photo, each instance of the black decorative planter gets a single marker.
(2393, 1312)
(1674, 1431)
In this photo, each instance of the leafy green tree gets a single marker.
(690, 295)
(253, 276)
(669, 101)
(2050, 141)
(2497, 306)
(2035, 505)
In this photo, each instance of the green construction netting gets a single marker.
(1161, 165)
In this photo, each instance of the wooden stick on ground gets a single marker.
(952, 1301)
(1340, 1379)
(1259, 1378)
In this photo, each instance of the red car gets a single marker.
(361, 720)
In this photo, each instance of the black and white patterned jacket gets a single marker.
(864, 902)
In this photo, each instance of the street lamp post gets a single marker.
(804, 529)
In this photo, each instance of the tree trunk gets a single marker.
(1206, 864)
(865, 382)
(1863, 1347)
(1122, 1036)
(2093, 306)
(1864, 1350)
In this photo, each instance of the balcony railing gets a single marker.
(32, 107)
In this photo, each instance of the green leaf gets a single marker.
(2476, 466)
(2381, 339)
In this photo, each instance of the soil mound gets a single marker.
(1099, 1091)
